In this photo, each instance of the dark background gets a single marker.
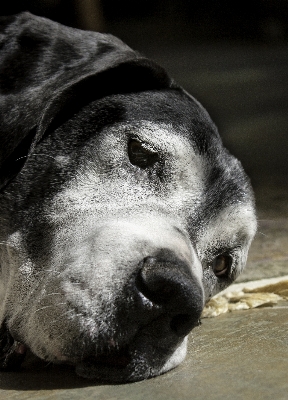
(260, 20)
(231, 55)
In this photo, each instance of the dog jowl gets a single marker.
(121, 211)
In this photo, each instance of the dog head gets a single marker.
(122, 212)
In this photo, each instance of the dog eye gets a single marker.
(140, 156)
(221, 265)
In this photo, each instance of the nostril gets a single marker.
(182, 323)
(152, 284)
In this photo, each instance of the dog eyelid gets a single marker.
(140, 156)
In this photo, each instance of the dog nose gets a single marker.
(168, 283)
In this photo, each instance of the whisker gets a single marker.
(263, 234)
(48, 363)
(43, 308)
(60, 316)
(52, 271)
(20, 158)
(45, 155)
(7, 244)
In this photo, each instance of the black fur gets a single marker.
(46, 66)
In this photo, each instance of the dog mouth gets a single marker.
(111, 366)
(140, 359)
(143, 358)
(131, 363)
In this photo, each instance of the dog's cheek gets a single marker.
(209, 284)
(67, 317)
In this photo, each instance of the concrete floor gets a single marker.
(268, 256)
(243, 354)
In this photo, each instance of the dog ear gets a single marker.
(47, 70)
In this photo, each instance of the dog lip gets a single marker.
(129, 363)
(106, 367)
(118, 359)
(12, 357)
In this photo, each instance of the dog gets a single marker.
(121, 211)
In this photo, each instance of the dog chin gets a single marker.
(129, 366)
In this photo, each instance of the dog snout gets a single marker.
(168, 283)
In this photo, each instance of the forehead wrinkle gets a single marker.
(162, 135)
(188, 166)
(177, 109)
(235, 223)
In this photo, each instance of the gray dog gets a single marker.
(121, 212)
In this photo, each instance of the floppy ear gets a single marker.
(48, 69)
